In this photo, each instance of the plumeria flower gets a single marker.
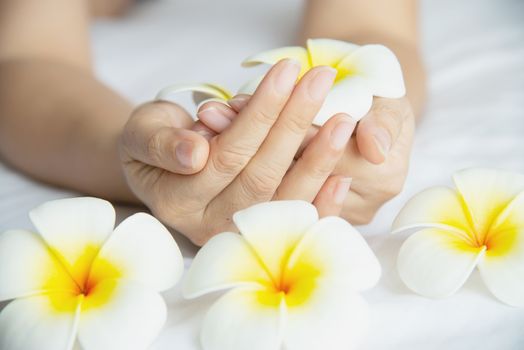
(293, 281)
(362, 72)
(79, 279)
(480, 224)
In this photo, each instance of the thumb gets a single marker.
(152, 137)
(378, 131)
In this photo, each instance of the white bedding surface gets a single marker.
(475, 117)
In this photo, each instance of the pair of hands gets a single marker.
(194, 176)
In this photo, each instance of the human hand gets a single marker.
(376, 158)
(247, 163)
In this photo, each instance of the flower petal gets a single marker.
(503, 267)
(504, 275)
(351, 95)
(436, 263)
(439, 207)
(27, 267)
(380, 68)
(332, 319)
(273, 229)
(273, 56)
(140, 249)
(213, 270)
(121, 315)
(201, 92)
(487, 192)
(75, 230)
(339, 252)
(33, 324)
(328, 52)
(238, 321)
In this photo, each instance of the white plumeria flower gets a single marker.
(79, 279)
(294, 281)
(362, 72)
(481, 224)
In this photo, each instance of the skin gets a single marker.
(79, 134)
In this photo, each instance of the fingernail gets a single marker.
(214, 118)
(321, 83)
(340, 134)
(286, 78)
(342, 189)
(383, 140)
(184, 154)
(238, 102)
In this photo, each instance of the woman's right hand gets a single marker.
(195, 184)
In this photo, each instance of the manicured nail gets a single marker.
(321, 83)
(238, 102)
(184, 154)
(287, 76)
(383, 140)
(214, 118)
(340, 134)
(342, 189)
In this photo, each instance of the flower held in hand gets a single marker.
(293, 280)
(481, 224)
(362, 72)
(79, 279)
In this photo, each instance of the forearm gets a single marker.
(60, 125)
(391, 23)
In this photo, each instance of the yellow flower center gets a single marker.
(497, 240)
(79, 285)
(295, 286)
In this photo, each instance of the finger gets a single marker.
(331, 197)
(379, 129)
(260, 179)
(154, 136)
(216, 116)
(305, 179)
(239, 101)
(234, 147)
(202, 129)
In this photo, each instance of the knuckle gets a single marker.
(319, 171)
(296, 123)
(391, 186)
(225, 162)
(258, 184)
(153, 147)
(263, 117)
(229, 160)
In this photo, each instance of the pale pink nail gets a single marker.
(287, 76)
(238, 102)
(321, 83)
(341, 134)
(342, 189)
(214, 118)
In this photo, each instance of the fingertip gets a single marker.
(331, 197)
(369, 145)
(238, 102)
(216, 115)
(191, 151)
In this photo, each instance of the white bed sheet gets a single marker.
(475, 117)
